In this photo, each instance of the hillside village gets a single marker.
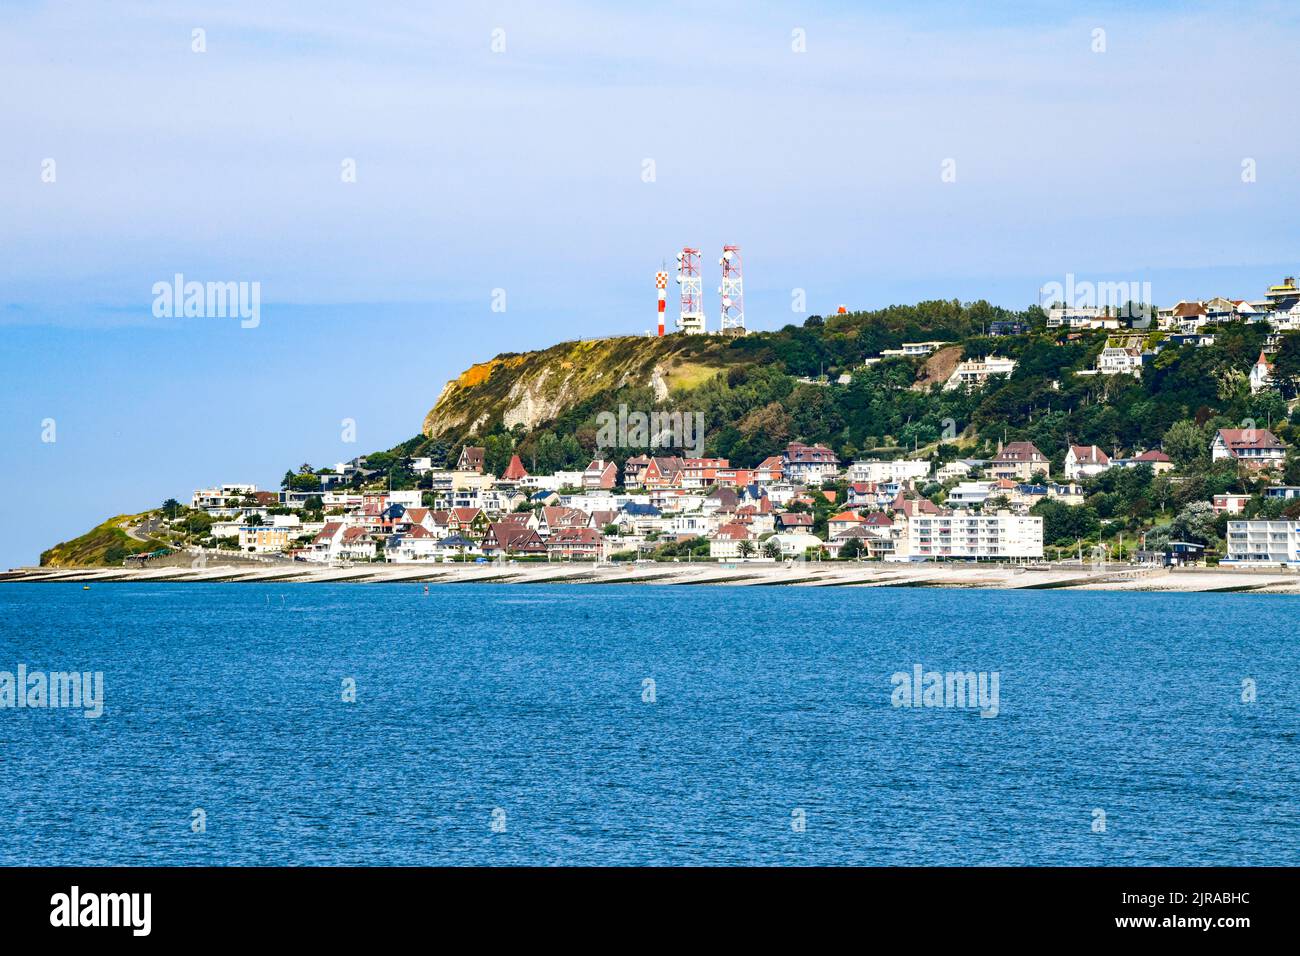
(1205, 491)
(804, 504)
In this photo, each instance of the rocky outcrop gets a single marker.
(532, 388)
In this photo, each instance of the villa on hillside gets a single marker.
(1261, 374)
(1085, 461)
(1018, 461)
(1251, 448)
(809, 464)
(1157, 461)
(972, 373)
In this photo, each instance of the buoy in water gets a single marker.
(85, 587)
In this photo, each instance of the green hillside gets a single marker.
(543, 405)
(107, 544)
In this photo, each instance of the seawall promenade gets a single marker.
(1113, 577)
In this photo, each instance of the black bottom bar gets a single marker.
(337, 905)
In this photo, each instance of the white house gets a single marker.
(1261, 374)
(1120, 360)
(969, 493)
(1157, 461)
(1085, 461)
(692, 524)
(1229, 504)
(900, 469)
(725, 543)
(810, 464)
(356, 545)
(1018, 461)
(415, 544)
(1079, 317)
(1252, 448)
(325, 546)
(227, 499)
(794, 544)
(961, 468)
(912, 349)
(975, 372)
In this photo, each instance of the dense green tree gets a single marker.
(1286, 364)
(304, 482)
(1064, 524)
(1188, 444)
(1196, 522)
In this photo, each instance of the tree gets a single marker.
(497, 450)
(746, 549)
(198, 524)
(171, 508)
(1291, 474)
(1286, 364)
(304, 481)
(771, 549)
(1188, 444)
(1194, 523)
(853, 548)
(1064, 524)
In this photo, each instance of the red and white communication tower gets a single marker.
(661, 284)
(733, 291)
(691, 319)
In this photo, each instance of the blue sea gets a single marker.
(554, 724)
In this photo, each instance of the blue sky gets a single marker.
(522, 170)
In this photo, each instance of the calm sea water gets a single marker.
(524, 706)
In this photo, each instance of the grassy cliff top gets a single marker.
(107, 544)
(534, 387)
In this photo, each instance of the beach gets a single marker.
(1114, 577)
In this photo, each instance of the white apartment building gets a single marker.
(695, 524)
(913, 349)
(222, 497)
(975, 372)
(968, 493)
(901, 469)
(1264, 542)
(1080, 317)
(966, 535)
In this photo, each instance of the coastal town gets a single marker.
(1204, 494)
(805, 503)
(801, 505)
